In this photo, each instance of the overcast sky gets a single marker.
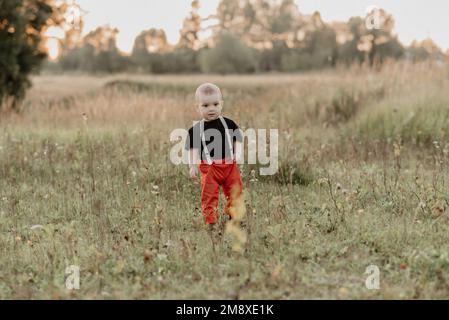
(415, 19)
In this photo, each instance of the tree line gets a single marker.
(245, 36)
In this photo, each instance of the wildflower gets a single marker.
(253, 176)
(155, 190)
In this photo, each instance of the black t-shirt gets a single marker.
(214, 133)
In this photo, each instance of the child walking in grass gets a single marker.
(214, 143)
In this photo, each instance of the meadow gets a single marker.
(85, 180)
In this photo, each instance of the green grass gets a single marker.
(111, 203)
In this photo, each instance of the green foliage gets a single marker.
(418, 125)
(271, 59)
(189, 34)
(181, 60)
(424, 50)
(133, 87)
(250, 36)
(371, 46)
(230, 55)
(101, 194)
(97, 53)
(298, 60)
(21, 27)
(344, 106)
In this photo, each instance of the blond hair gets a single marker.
(207, 89)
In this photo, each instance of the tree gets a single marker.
(230, 55)
(22, 25)
(349, 51)
(73, 27)
(270, 26)
(189, 34)
(184, 57)
(313, 47)
(259, 23)
(97, 52)
(371, 45)
(228, 13)
(148, 49)
(284, 19)
(423, 50)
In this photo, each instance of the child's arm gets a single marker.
(193, 163)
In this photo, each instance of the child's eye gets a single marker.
(205, 105)
(216, 104)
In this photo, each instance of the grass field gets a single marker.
(85, 180)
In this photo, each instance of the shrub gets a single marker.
(230, 55)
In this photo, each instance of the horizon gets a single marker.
(433, 23)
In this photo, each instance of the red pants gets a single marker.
(212, 177)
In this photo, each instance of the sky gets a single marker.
(415, 19)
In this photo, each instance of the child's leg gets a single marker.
(209, 194)
(233, 189)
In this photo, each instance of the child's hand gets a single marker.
(193, 172)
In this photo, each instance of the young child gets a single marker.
(213, 143)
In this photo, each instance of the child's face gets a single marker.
(210, 106)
